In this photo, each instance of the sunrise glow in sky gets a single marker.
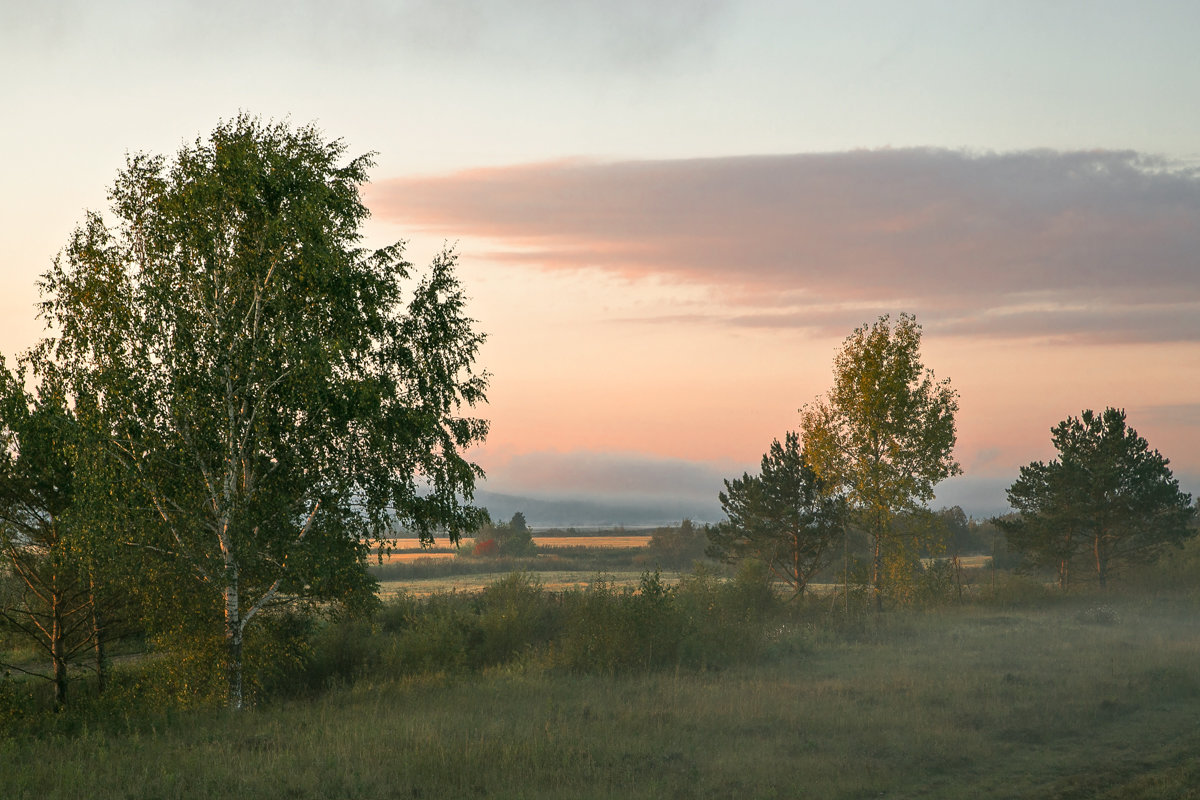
(670, 214)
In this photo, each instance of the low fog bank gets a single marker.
(591, 511)
(981, 497)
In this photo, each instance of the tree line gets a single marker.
(869, 454)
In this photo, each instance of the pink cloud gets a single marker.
(1112, 238)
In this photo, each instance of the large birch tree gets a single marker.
(280, 395)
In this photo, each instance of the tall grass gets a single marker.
(705, 688)
(970, 701)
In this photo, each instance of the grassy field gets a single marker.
(1069, 700)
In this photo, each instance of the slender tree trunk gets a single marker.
(57, 645)
(233, 637)
(98, 637)
(992, 564)
(958, 576)
(877, 571)
(800, 583)
(846, 568)
(1101, 563)
(235, 670)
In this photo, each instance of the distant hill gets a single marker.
(598, 512)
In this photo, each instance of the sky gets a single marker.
(670, 214)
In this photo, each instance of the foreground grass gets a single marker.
(966, 702)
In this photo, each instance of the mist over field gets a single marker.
(976, 496)
(599, 511)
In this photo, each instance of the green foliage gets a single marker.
(1177, 575)
(1108, 498)
(186, 667)
(885, 434)
(702, 621)
(966, 536)
(785, 517)
(58, 592)
(918, 540)
(15, 703)
(1014, 591)
(278, 395)
(680, 547)
(936, 585)
(513, 539)
(516, 618)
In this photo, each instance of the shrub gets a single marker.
(935, 583)
(702, 622)
(516, 616)
(676, 547)
(15, 702)
(439, 638)
(592, 639)
(341, 651)
(723, 621)
(1008, 590)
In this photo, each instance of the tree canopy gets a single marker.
(885, 433)
(784, 517)
(512, 538)
(1107, 495)
(279, 394)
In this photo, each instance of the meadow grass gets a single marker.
(1056, 700)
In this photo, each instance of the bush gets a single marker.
(16, 701)
(516, 617)
(439, 637)
(935, 584)
(676, 547)
(1009, 590)
(341, 651)
(724, 620)
(485, 548)
(702, 622)
(593, 639)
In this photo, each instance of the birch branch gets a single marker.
(271, 592)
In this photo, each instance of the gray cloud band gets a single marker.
(1085, 246)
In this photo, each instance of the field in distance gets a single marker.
(409, 550)
(561, 562)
